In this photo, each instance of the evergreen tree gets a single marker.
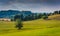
(59, 12)
(40, 15)
(56, 12)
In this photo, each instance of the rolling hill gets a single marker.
(55, 17)
(38, 27)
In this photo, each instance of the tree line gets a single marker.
(32, 16)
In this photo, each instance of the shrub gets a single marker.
(45, 17)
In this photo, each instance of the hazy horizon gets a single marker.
(30, 5)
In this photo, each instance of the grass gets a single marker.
(56, 17)
(31, 28)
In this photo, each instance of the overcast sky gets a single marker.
(30, 5)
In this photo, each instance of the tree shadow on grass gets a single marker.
(30, 28)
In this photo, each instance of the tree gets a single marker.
(40, 15)
(36, 16)
(44, 14)
(59, 12)
(18, 19)
(32, 16)
(49, 14)
(29, 17)
(56, 12)
(19, 24)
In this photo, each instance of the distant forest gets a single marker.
(24, 15)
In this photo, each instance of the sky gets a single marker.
(30, 5)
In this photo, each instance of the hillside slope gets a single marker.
(55, 17)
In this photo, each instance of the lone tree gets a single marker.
(18, 21)
(19, 24)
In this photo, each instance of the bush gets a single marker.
(45, 17)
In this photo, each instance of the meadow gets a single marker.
(37, 27)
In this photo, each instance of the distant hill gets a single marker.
(11, 13)
(55, 17)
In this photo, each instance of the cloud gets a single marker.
(7, 2)
(19, 1)
(33, 5)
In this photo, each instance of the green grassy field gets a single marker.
(38, 27)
